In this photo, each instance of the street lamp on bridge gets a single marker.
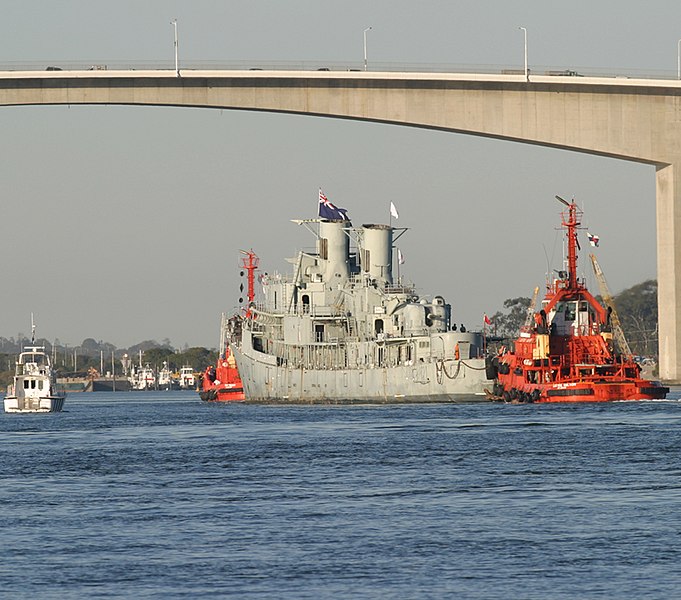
(365, 47)
(177, 64)
(527, 75)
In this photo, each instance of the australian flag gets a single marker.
(329, 211)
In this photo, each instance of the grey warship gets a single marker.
(341, 329)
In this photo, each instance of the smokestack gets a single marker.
(377, 252)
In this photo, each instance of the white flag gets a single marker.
(393, 211)
(593, 239)
(400, 257)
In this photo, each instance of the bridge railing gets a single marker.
(322, 65)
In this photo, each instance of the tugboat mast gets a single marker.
(570, 222)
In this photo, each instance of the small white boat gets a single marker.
(35, 384)
(144, 379)
(165, 379)
(187, 379)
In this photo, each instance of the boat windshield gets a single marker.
(37, 358)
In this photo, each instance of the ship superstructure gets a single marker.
(342, 328)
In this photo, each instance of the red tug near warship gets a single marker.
(568, 354)
(222, 383)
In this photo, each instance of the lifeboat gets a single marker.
(567, 352)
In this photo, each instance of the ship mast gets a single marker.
(571, 223)
(250, 263)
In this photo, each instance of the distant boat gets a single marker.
(34, 388)
(165, 378)
(187, 379)
(143, 378)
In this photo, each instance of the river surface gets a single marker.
(158, 495)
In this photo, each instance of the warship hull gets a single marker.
(263, 380)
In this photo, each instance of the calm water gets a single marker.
(157, 495)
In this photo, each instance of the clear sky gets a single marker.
(124, 223)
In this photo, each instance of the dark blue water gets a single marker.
(158, 495)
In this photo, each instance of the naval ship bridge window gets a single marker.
(40, 384)
(378, 326)
(306, 303)
(319, 333)
(26, 384)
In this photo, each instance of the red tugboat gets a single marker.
(222, 383)
(568, 354)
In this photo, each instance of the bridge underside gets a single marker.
(635, 120)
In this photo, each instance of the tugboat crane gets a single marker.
(617, 331)
(529, 319)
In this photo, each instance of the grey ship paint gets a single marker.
(341, 329)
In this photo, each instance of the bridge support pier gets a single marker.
(668, 184)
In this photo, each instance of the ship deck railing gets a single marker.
(329, 312)
(334, 354)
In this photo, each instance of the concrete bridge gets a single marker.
(631, 119)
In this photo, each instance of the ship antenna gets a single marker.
(32, 331)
